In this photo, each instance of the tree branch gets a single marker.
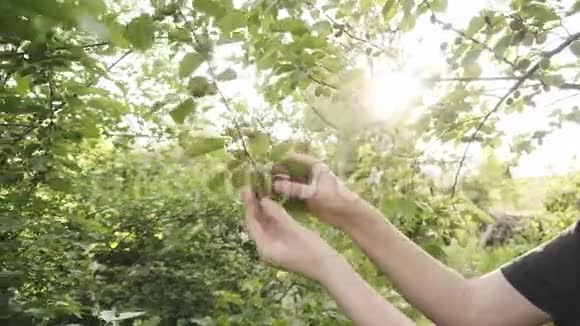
(461, 33)
(224, 100)
(570, 86)
(322, 117)
(126, 54)
(86, 46)
(318, 81)
(520, 81)
(470, 79)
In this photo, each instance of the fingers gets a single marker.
(304, 159)
(252, 210)
(294, 189)
(273, 210)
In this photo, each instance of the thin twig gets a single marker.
(223, 98)
(463, 34)
(322, 117)
(86, 46)
(470, 79)
(521, 80)
(111, 66)
(318, 81)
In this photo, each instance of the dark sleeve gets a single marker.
(549, 276)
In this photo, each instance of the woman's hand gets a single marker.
(282, 241)
(325, 194)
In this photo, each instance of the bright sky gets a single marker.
(560, 150)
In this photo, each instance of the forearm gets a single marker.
(356, 298)
(443, 295)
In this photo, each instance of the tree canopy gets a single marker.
(126, 128)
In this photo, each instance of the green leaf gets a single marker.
(140, 32)
(575, 8)
(259, 144)
(227, 75)
(475, 25)
(502, 45)
(322, 27)
(541, 38)
(319, 91)
(279, 151)
(182, 110)
(439, 5)
(291, 25)
(472, 70)
(16, 105)
(389, 10)
(523, 64)
(22, 84)
(408, 23)
(213, 8)
(232, 21)
(471, 56)
(554, 80)
(59, 184)
(202, 145)
(8, 224)
(189, 63)
(575, 48)
(540, 11)
(199, 86)
(90, 130)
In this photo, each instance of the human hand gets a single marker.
(283, 242)
(325, 194)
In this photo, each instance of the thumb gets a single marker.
(273, 210)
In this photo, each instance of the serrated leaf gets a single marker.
(189, 63)
(575, 48)
(140, 32)
(389, 10)
(184, 109)
(227, 75)
(233, 20)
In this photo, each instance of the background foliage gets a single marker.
(122, 144)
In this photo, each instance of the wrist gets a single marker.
(325, 270)
(358, 216)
